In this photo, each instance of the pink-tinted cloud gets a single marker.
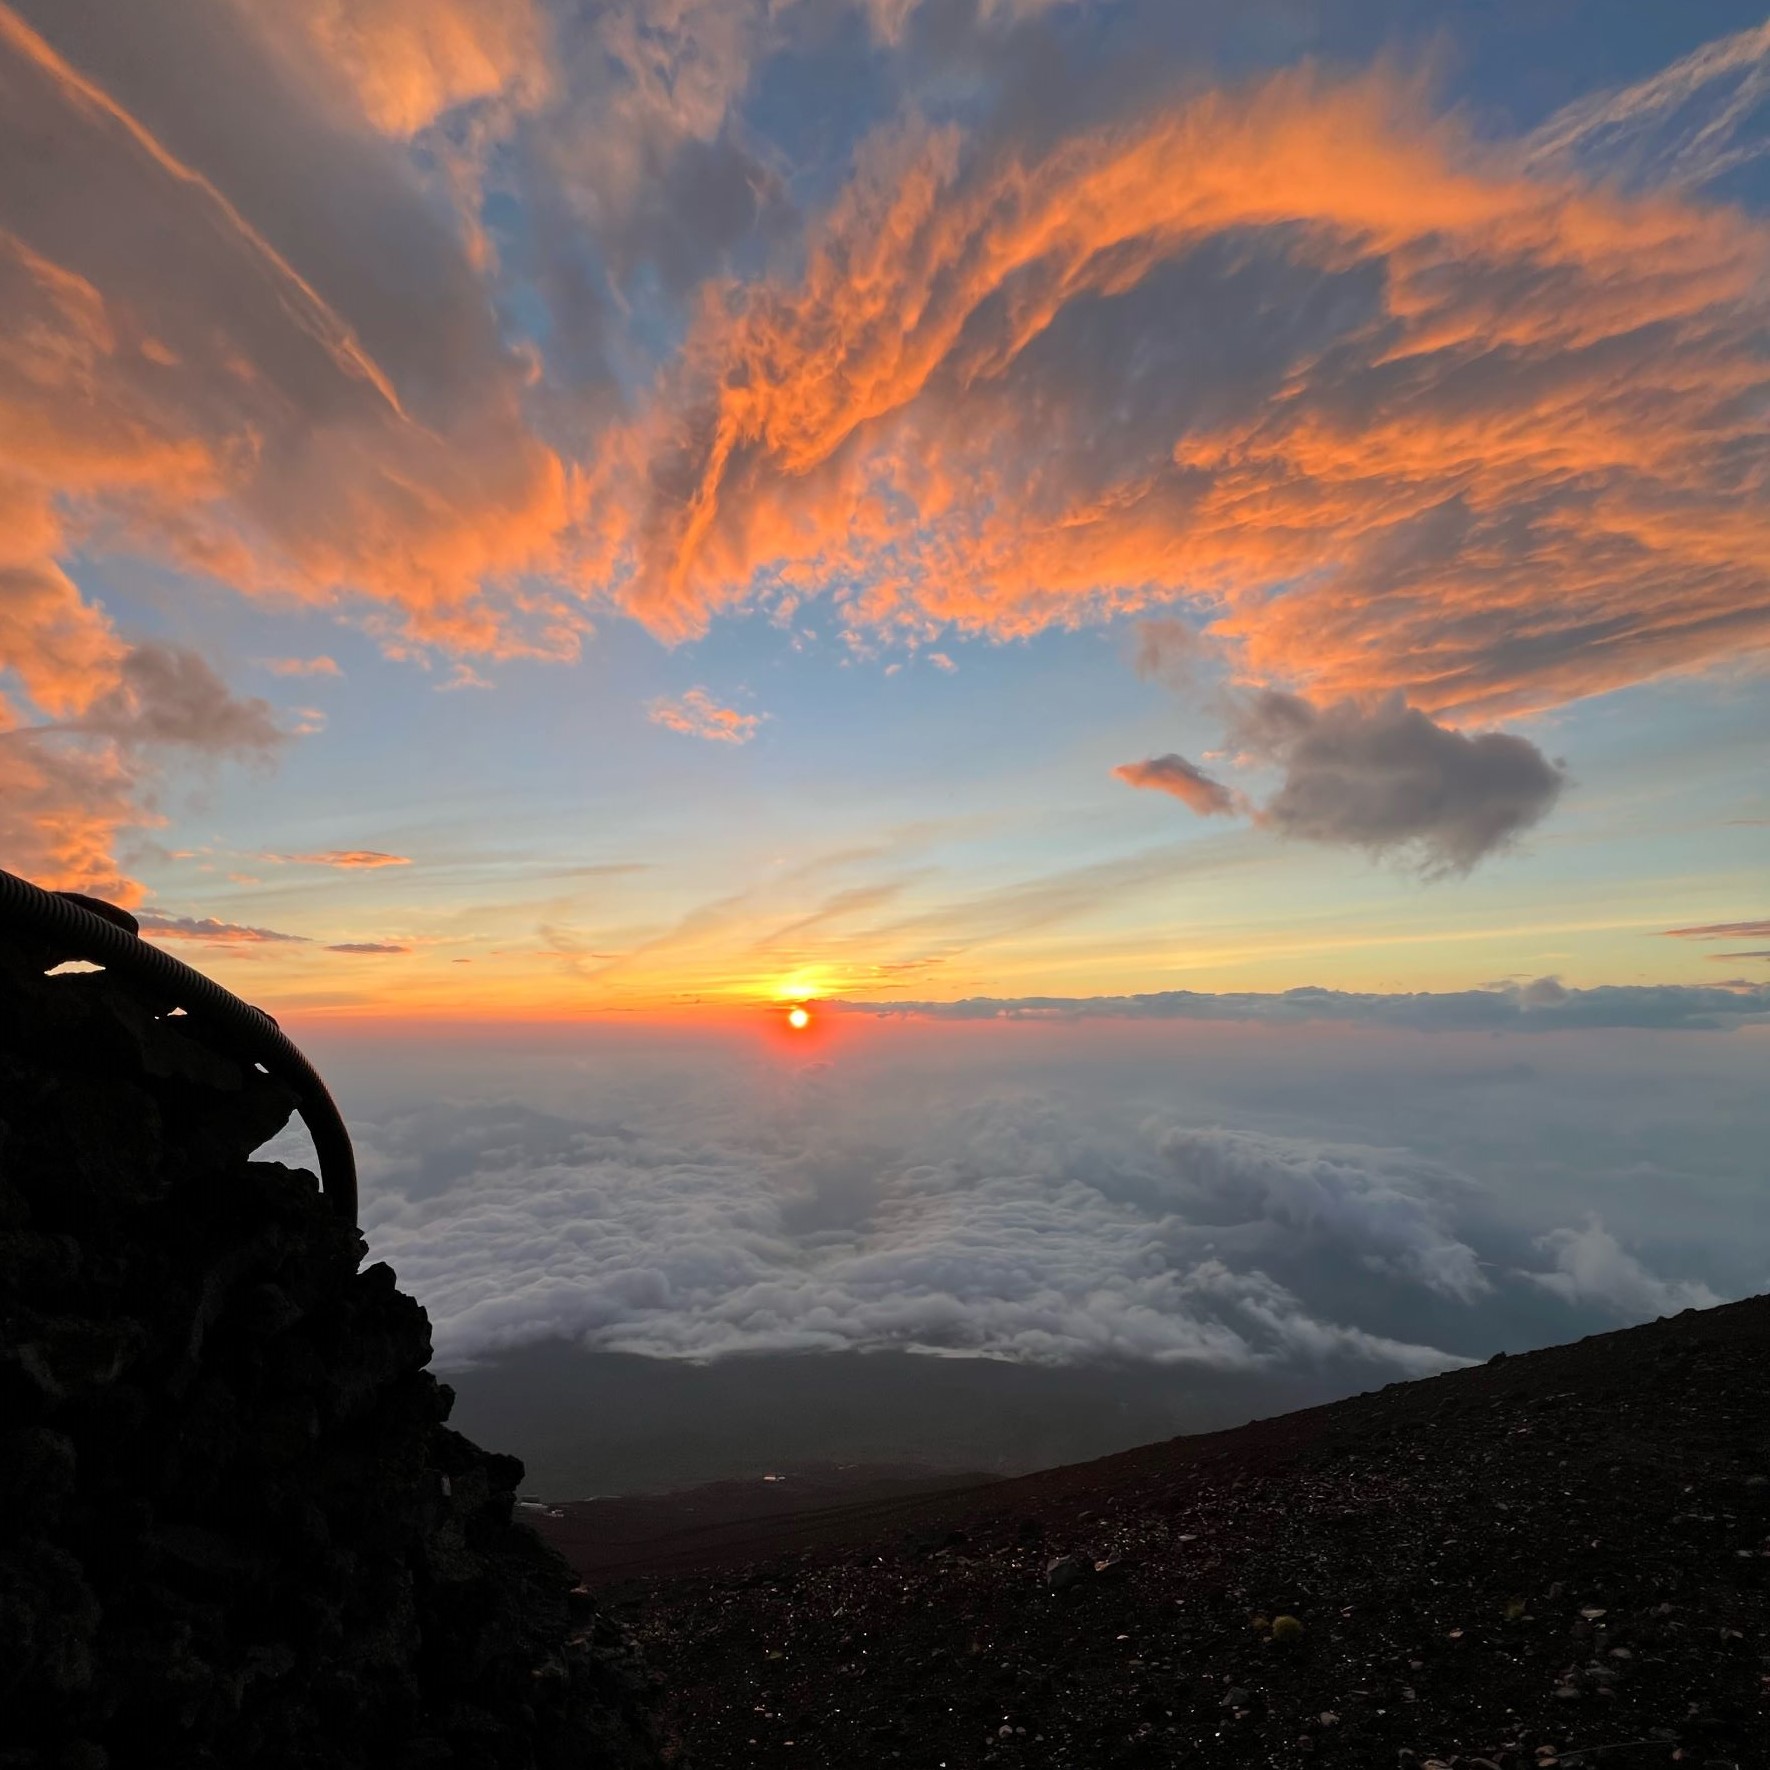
(320, 666)
(348, 859)
(697, 714)
(1423, 421)
(1183, 780)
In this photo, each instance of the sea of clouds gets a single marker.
(1233, 1196)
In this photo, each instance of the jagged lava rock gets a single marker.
(234, 1527)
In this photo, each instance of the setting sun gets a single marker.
(799, 1019)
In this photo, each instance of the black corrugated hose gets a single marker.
(83, 928)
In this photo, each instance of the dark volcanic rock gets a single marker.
(234, 1529)
(1560, 1558)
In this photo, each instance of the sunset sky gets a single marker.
(534, 510)
(1189, 583)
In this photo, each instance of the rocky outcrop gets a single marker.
(234, 1527)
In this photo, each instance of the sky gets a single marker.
(525, 510)
(1229, 540)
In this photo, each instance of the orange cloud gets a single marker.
(1181, 779)
(697, 714)
(62, 807)
(408, 61)
(179, 384)
(321, 666)
(1396, 414)
(171, 382)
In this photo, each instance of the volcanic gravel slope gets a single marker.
(1562, 1557)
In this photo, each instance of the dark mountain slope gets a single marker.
(1557, 1557)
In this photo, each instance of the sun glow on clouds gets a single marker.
(1413, 422)
(867, 425)
(697, 714)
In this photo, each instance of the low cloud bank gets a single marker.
(1394, 1211)
(1542, 1005)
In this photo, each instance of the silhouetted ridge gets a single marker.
(234, 1529)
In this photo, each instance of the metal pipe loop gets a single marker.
(83, 928)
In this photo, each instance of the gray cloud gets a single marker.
(1388, 779)
(169, 695)
(160, 926)
(367, 946)
(1379, 776)
(1382, 1207)
(1170, 652)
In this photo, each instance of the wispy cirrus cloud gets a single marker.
(174, 384)
(1392, 408)
(696, 714)
(1393, 383)
(1691, 123)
